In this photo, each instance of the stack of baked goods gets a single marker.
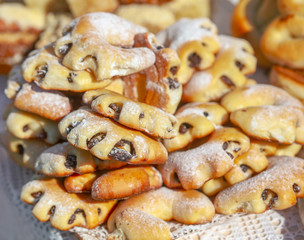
(274, 29)
(137, 129)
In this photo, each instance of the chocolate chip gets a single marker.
(116, 107)
(194, 60)
(52, 210)
(264, 194)
(71, 161)
(99, 211)
(204, 44)
(239, 65)
(272, 201)
(71, 77)
(20, 149)
(206, 28)
(184, 127)
(173, 70)
(119, 152)
(227, 81)
(159, 47)
(42, 134)
(296, 188)
(244, 167)
(25, 128)
(206, 114)
(175, 176)
(244, 49)
(225, 145)
(73, 217)
(173, 83)
(230, 155)
(37, 195)
(95, 139)
(64, 49)
(41, 72)
(141, 115)
(71, 126)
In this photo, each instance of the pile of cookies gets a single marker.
(35, 23)
(274, 29)
(133, 130)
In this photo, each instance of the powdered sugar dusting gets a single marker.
(199, 81)
(186, 30)
(49, 104)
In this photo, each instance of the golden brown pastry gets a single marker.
(126, 182)
(275, 188)
(143, 217)
(136, 115)
(192, 168)
(64, 210)
(106, 139)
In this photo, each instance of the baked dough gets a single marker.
(278, 187)
(64, 210)
(136, 115)
(192, 168)
(106, 139)
(143, 217)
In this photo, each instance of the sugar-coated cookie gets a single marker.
(106, 139)
(102, 43)
(275, 188)
(143, 217)
(44, 68)
(64, 210)
(196, 43)
(192, 168)
(234, 61)
(136, 115)
(26, 125)
(266, 112)
(195, 120)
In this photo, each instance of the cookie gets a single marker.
(64, 210)
(266, 112)
(246, 165)
(80, 183)
(54, 24)
(192, 168)
(106, 139)
(281, 42)
(63, 159)
(144, 216)
(20, 28)
(276, 188)
(52, 105)
(79, 7)
(101, 42)
(234, 61)
(46, 70)
(291, 80)
(144, 1)
(48, 5)
(196, 43)
(154, 18)
(26, 125)
(126, 182)
(195, 120)
(25, 151)
(133, 114)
